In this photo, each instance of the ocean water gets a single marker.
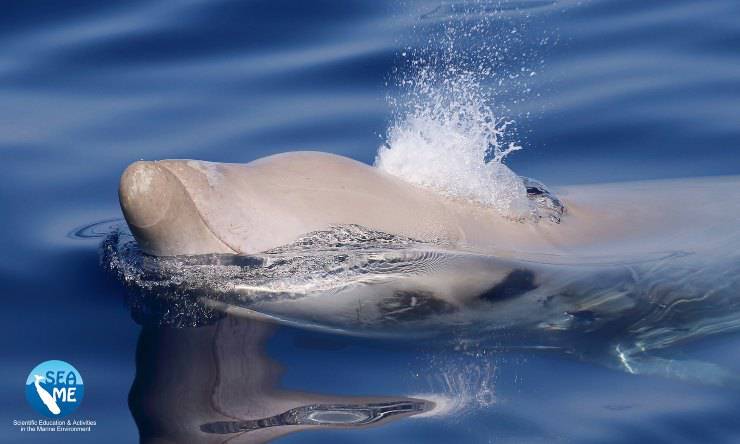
(597, 91)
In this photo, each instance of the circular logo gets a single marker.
(54, 388)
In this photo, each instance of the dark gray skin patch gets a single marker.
(413, 305)
(516, 283)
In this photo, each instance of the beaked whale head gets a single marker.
(161, 214)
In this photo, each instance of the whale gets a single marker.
(177, 207)
(190, 207)
(615, 273)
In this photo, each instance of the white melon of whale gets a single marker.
(187, 207)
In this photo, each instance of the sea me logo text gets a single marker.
(54, 388)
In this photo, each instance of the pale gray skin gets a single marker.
(185, 207)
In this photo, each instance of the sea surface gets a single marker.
(598, 91)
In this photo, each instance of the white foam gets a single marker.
(446, 135)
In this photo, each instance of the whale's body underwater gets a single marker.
(322, 240)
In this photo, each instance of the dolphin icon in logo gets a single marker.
(48, 400)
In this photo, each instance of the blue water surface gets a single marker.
(624, 90)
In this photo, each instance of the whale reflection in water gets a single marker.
(214, 383)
